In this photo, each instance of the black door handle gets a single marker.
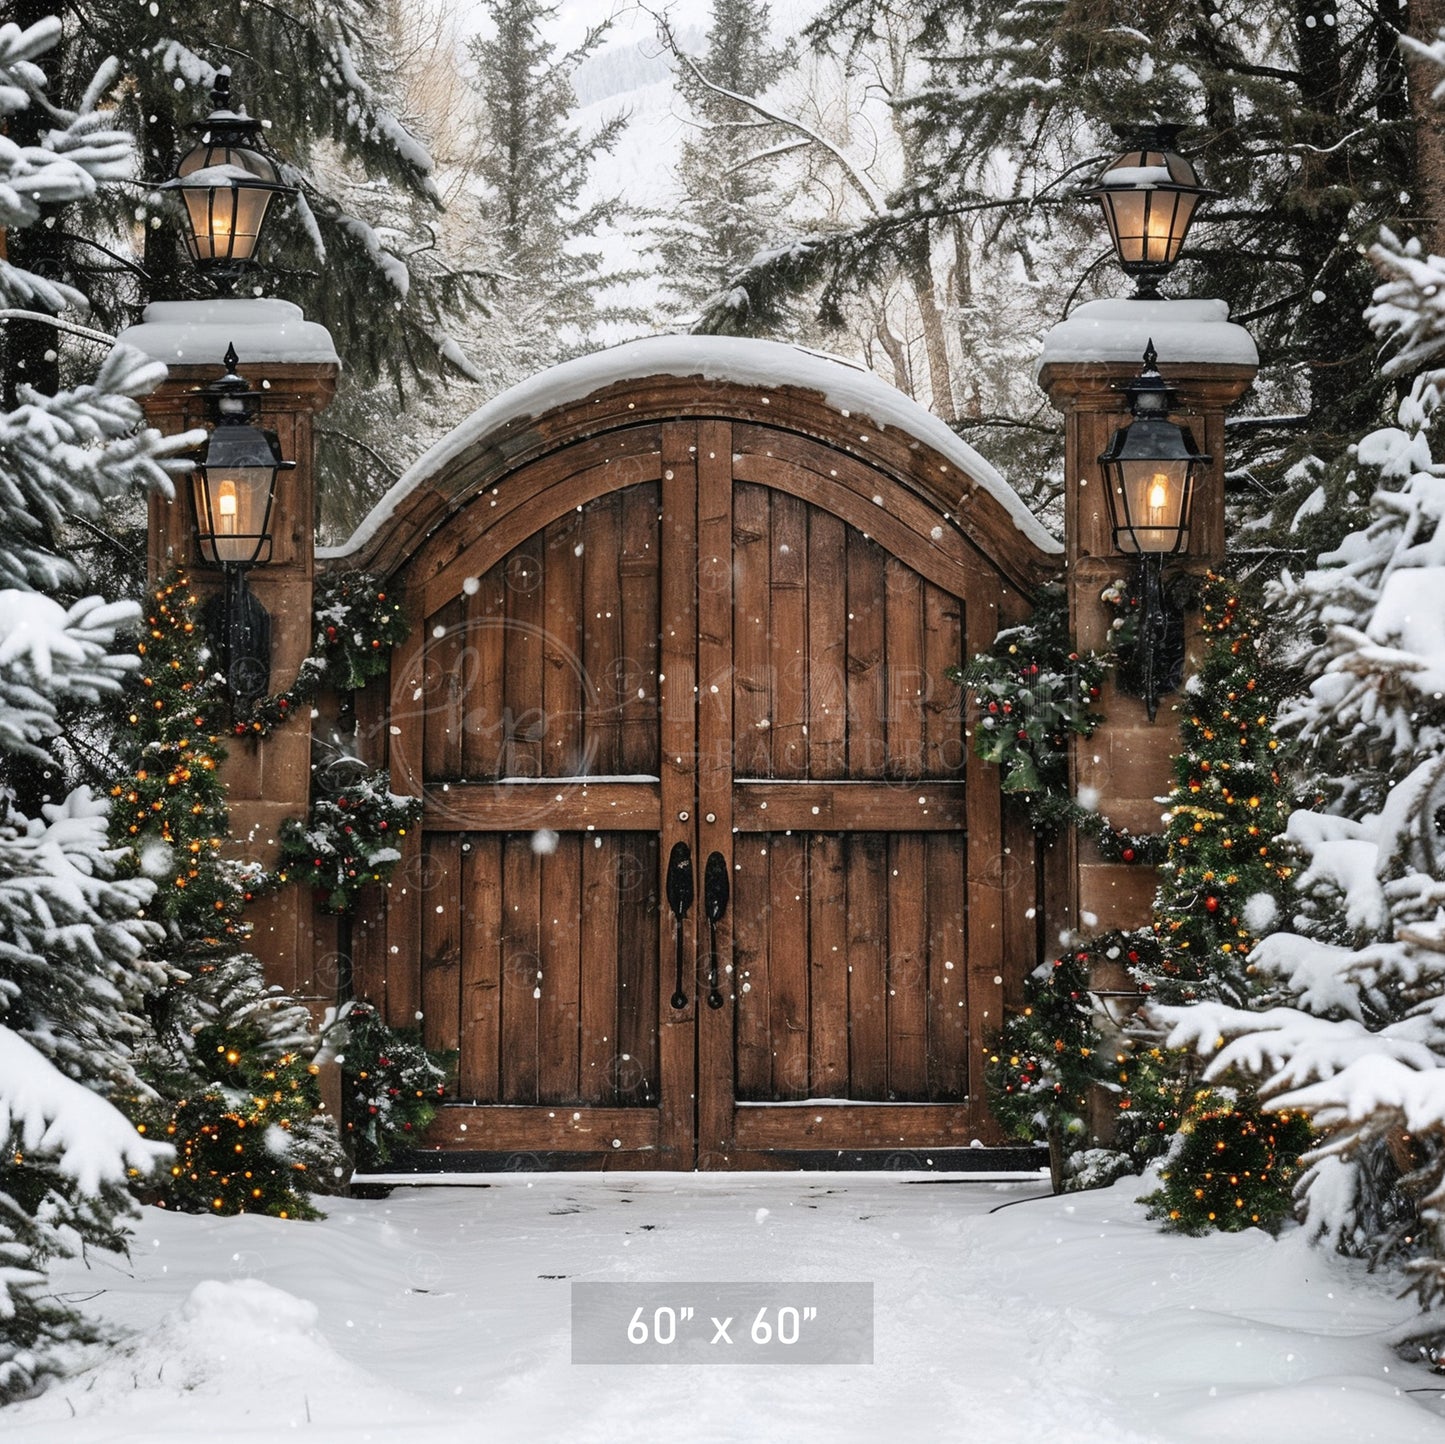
(715, 891)
(679, 899)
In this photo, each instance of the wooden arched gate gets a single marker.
(678, 640)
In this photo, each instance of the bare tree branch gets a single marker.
(855, 177)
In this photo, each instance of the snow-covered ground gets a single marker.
(442, 1315)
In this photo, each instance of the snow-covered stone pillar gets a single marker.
(293, 363)
(1086, 359)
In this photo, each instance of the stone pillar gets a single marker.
(1086, 359)
(293, 363)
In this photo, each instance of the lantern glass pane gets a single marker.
(198, 236)
(1150, 499)
(1149, 226)
(204, 157)
(1124, 211)
(233, 505)
(249, 216)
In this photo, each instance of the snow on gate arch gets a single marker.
(704, 877)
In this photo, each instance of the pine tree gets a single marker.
(1225, 876)
(1223, 885)
(533, 167)
(1296, 113)
(357, 249)
(1353, 1028)
(73, 969)
(227, 1068)
(728, 208)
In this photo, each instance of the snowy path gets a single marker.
(437, 1319)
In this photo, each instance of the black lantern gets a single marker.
(1149, 469)
(1149, 194)
(233, 489)
(228, 185)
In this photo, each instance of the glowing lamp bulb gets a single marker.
(1158, 498)
(226, 503)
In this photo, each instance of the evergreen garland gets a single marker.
(392, 1085)
(1044, 1067)
(1033, 691)
(358, 621)
(348, 840)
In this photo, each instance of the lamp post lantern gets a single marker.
(1149, 469)
(234, 489)
(1149, 195)
(228, 185)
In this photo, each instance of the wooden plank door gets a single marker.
(738, 645)
(547, 699)
(861, 949)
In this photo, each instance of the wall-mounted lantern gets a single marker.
(1150, 468)
(1149, 194)
(233, 489)
(228, 185)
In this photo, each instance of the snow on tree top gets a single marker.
(855, 392)
(196, 333)
(1119, 330)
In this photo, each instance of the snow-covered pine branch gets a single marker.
(44, 1112)
(1409, 304)
(72, 455)
(74, 971)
